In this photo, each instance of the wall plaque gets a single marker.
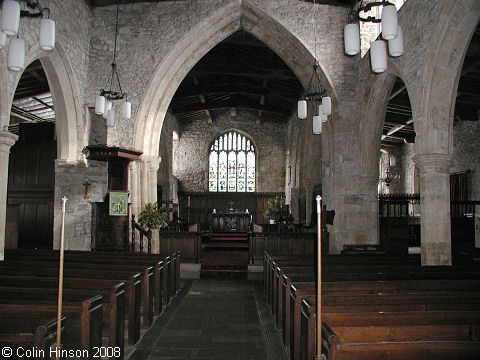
(118, 204)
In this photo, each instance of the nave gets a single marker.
(214, 319)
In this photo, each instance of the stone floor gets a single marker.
(213, 319)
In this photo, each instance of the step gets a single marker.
(226, 245)
(228, 239)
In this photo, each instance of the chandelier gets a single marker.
(389, 178)
(315, 93)
(391, 32)
(103, 101)
(11, 14)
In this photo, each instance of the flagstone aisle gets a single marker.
(214, 320)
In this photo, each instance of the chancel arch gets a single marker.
(198, 42)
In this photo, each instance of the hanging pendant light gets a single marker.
(3, 40)
(317, 125)
(351, 39)
(302, 109)
(389, 22)
(10, 17)
(109, 94)
(99, 105)
(111, 118)
(391, 32)
(47, 34)
(378, 56)
(16, 55)
(108, 106)
(127, 110)
(395, 46)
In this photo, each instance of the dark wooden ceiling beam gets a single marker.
(229, 104)
(246, 71)
(237, 88)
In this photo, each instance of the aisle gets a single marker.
(214, 320)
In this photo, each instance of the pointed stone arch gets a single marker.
(196, 43)
(65, 94)
(441, 76)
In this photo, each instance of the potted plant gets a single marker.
(153, 216)
(275, 208)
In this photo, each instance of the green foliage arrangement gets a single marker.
(153, 216)
(275, 207)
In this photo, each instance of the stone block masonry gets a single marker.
(195, 138)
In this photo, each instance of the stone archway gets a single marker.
(197, 43)
(193, 46)
(435, 126)
(65, 93)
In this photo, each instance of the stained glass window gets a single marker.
(231, 166)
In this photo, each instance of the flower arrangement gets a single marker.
(275, 207)
(153, 216)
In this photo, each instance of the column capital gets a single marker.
(7, 140)
(439, 163)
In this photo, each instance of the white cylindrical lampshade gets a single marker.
(395, 46)
(47, 34)
(10, 17)
(99, 105)
(3, 40)
(327, 105)
(127, 110)
(16, 55)
(108, 106)
(378, 56)
(351, 39)
(302, 109)
(389, 22)
(320, 110)
(111, 118)
(324, 118)
(317, 125)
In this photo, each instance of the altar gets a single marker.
(232, 220)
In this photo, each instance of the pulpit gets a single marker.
(110, 217)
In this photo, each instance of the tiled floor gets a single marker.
(215, 320)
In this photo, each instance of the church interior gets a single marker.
(240, 179)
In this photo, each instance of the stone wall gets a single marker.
(466, 150)
(196, 137)
(69, 180)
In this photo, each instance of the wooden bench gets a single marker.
(415, 331)
(84, 317)
(42, 338)
(167, 276)
(131, 280)
(112, 292)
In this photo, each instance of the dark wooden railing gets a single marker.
(147, 233)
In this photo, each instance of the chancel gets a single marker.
(241, 179)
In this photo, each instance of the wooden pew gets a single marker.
(112, 292)
(84, 321)
(42, 338)
(147, 282)
(131, 280)
(422, 334)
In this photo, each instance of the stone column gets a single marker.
(7, 139)
(369, 190)
(435, 226)
(134, 187)
(150, 165)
